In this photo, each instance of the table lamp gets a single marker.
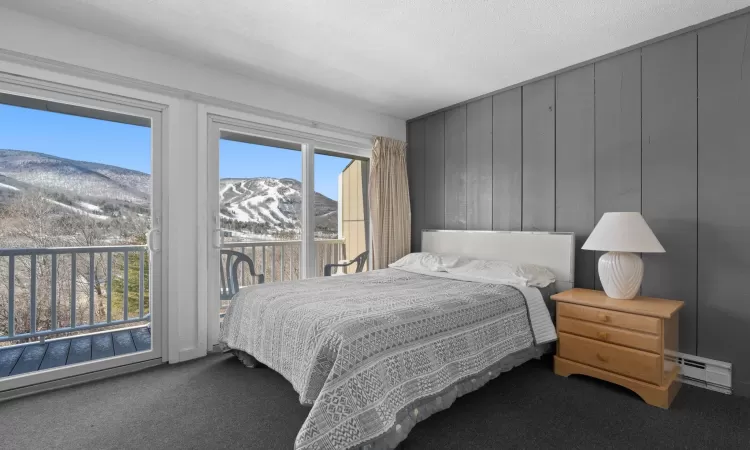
(621, 235)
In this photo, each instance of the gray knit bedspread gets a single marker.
(364, 348)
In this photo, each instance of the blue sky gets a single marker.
(129, 146)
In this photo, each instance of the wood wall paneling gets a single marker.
(507, 160)
(415, 168)
(455, 169)
(434, 195)
(671, 134)
(618, 136)
(724, 196)
(538, 201)
(670, 174)
(479, 165)
(575, 165)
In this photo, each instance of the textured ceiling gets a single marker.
(399, 57)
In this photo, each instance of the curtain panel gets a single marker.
(390, 209)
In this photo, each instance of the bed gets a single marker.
(376, 352)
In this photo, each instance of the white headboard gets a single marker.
(556, 251)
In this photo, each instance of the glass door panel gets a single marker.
(76, 201)
(260, 211)
(341, 219)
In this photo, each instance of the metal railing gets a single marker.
(60, 272)
(279, 260)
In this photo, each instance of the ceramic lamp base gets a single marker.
(621, 274)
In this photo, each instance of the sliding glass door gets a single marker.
(287, 205)
(79, 206)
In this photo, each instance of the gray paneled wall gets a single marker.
(669, 176)
(664, 129)
(723, 314)
(434, 182)
(455, 169)
(575, 161)
(415, 158)
(507, 160)
(538, 198)
(617, 103)
(479, 164)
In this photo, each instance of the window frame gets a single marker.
(109, 105)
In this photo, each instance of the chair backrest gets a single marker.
(361, 259)
(229, 272)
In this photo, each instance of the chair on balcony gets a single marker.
(229, 271)
(360, 260)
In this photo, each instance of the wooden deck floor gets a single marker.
(63, 352)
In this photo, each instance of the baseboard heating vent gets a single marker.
(703, 372)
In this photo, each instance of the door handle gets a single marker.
(603, 317)
(603, 335)
(153, 240)
(218, 239)
(602, 358)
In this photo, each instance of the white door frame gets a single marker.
(309, 140)
(157, 114)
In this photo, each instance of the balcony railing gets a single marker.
(279, 260)
(62, 290)
(47, 282)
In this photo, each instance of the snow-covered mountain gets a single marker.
(22, 169)
(272, 204)
(255, 205)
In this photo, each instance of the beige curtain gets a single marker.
(390, 209)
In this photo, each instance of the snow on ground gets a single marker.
(224, 189)
(89, 206)
(264, 212)
(7, 186)
(238, 213)
(79, 211)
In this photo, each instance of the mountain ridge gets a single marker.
(261, 205)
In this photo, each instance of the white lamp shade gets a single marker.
(623, 232)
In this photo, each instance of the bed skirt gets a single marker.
(420, 410)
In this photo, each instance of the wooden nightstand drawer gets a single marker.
(612, 318)
(625, 361)
(619, 336)
(620, 341)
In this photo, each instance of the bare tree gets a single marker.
(32, 220)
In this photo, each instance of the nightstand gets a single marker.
(619, 341)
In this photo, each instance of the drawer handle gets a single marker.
(603, 335)
(602, 358)
(603, 317)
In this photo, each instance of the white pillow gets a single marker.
(430, 262)
(504, 272)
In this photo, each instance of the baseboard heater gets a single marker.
(703, 372)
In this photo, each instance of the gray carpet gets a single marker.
(216, 402)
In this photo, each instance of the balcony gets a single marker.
(92, 302)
